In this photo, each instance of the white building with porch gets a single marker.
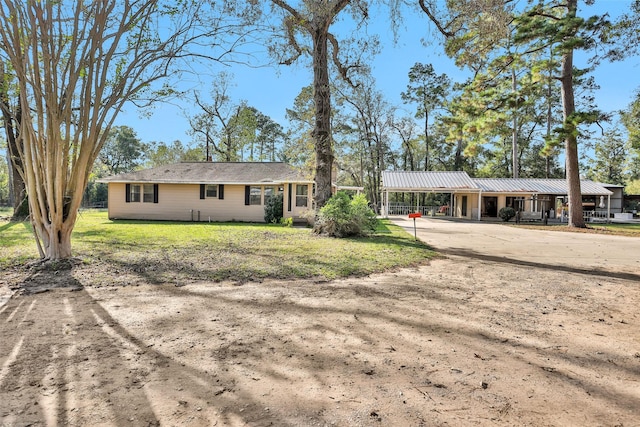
(478, 198)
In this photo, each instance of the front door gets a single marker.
(490, 206)
(464, 206)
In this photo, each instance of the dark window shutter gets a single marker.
(127, 190)
(221, 191)
(155, 193)
(289, 198)
(247, 194)
(202, 189)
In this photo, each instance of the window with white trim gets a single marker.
(134, 195)
(147, 196)
(211, 191)
(255, 195)
(302, 195)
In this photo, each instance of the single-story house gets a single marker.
(208, 191)
(477, 198)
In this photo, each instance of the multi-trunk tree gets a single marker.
(76, 64)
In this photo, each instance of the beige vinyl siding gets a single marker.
(181, 202)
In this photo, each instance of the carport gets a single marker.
(429, 182)
(474, 197)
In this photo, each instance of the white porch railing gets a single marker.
(590, 216)
(404, 209)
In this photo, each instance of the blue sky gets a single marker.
(272, 90)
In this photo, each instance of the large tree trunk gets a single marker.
(576, 218)
(322, 130)
(458, 158)
(515, 164)
(18, 188)
(426, 140)
(55, 193)
(55, 239)
(11, 127)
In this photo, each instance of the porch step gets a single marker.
(300, 222)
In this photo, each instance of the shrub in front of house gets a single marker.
(273, 209)
(507, 213)
(346, 217)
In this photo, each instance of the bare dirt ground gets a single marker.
(477, 338)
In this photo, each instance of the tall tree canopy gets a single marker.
(122, 152)
(428, 90)
(312, 20)
(76, 64)
(540, 26)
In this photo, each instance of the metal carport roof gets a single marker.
(537, 186)
(408, 181)
(445, 182)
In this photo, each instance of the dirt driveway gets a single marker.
(543, 248)
(513, 328)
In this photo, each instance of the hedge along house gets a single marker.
(477, 198)
(208, 191)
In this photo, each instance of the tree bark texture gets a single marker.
(75, 66)
(11, 127)
(322, 129)
(18, 188)
(576, 218)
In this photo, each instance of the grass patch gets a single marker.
(620, 229)
(178, 251)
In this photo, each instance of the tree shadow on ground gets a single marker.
(315, 347)
(466, 253)
(69, 362)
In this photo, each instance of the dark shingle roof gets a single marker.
(215, 173)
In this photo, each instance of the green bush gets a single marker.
(346, 217)
(273, 209)
(286, 222)
(507, 213)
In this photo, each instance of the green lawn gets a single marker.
(622, 229)
(167, 251)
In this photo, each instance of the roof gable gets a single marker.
(215, 173)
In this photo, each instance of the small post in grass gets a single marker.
(414, 216)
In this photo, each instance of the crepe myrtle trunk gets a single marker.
(322, 129)
(56, 238)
